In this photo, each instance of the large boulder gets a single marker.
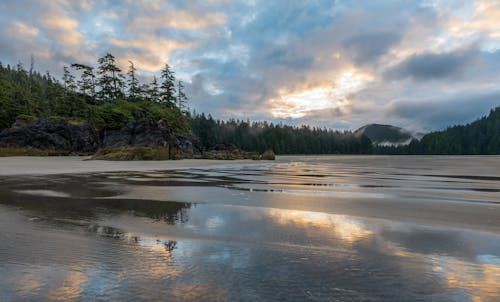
(51, 135)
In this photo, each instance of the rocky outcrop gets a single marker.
(50, 135)
(142, 138)
(145, 132)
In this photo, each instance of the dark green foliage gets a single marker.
(77, 100)
(87, 82)
(282, 139)
(133, 83)
(479, 137)
(109, 79)
(167, 95)
(181, 98)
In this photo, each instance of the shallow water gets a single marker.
(298, 229)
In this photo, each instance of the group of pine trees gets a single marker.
(107, 83)
(103, 96)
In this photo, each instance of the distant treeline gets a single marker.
(479, 137)
(106, 98)
(260, 136)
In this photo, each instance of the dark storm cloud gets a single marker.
(429, 66)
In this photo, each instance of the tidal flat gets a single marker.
(302, 228)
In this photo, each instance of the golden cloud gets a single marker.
(180, 19)
(152, 51)
(23, 30)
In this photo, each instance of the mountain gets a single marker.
(385, 135)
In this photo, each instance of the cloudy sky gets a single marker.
(341, 64)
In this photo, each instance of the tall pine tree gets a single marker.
(87, 81)
(181, 98)
(134, 89)
(109, 80)
(167, 94)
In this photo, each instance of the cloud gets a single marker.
(177, 19)
(431, 66)
(23, 30)
(368, 47)
(439, 113)
(328, 63)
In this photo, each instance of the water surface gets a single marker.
(298, 229)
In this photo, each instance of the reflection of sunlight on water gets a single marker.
(29, 282)
(347, 229)
(70, 288)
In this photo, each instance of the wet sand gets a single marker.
(346, 228)
(47, 165)
(432, 190)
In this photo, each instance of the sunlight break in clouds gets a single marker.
(299, 104)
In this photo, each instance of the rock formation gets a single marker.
(50, 135)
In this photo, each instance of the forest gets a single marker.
(107, 97)
(479, 137)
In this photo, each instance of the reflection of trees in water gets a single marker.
(60, 208)
(170, 245)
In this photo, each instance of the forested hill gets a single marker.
(103, 96)
(479, 137)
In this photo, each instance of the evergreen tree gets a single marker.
(110, 82)
(181, 98)
(30, 79)
(68, 80)
(167, 93)
(134, 90)
(154, 91)
(87, 81)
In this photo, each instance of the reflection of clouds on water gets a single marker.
(347, 229)
(480, 281)
(450, 256)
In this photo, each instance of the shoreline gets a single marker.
(52, 165)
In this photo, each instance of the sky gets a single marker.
(421, 65)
